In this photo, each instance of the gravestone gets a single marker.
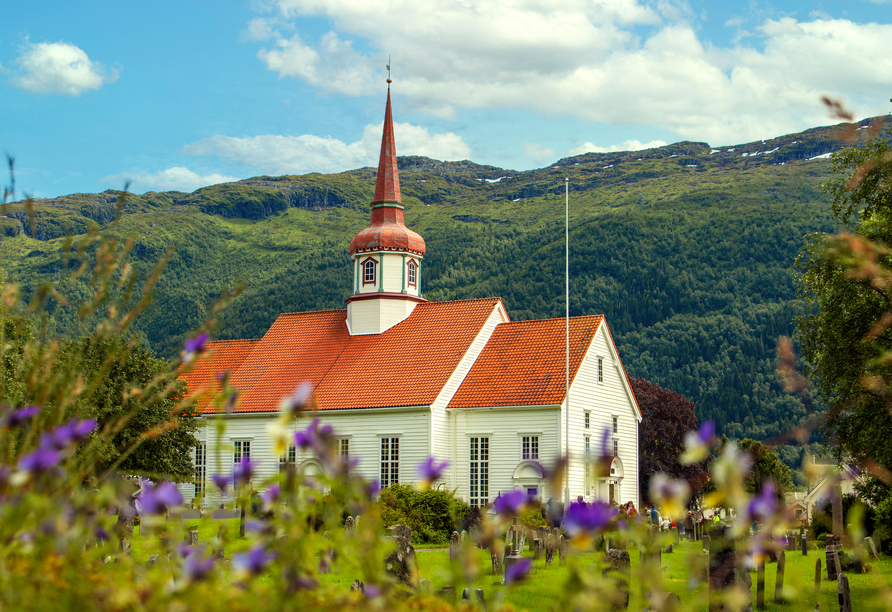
(466, 596)
(513, 546)
(818, 575)
(152, 560)
(550, 548)
(498, 567)
(726, 570)
(537, 549)
(563, 545)
(804, 541)
(193, 537)
(349, 525)
(401, 563)
(357, 586)
(619, 562)
(448, 593)
(125, 546)
(219, 553)
(464, 535)
(779, 583)
(671, 603)
(454, 545)
(760, 585)
(871, 548)
(356, 521)
(670, 549)
(832, 561)
(844, 595)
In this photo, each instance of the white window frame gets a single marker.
(389, 460)
(615, 424)
(344, 448)
(616, 447)
(412, 273)
(600, 369)
(588, 458)
(241, 449)
(201, 461)
(588, 419)
(478, 470)
(289, 459)
(529, 447)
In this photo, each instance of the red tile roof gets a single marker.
(221, 356)
(524, 363)
(407, 365)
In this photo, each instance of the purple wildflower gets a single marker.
(254, 561)
(67, 433)
(156, 499)
(373, 488)
(198, 567)
(518, 571)
(706, 432)
(582, 517)
(271, 495)
(431, 471)
(764, 504)
(194, 346)
(307, 438)
(372, 591)
(297, 400)
(243, 471)
(221, 481)
(510, 503)
(19, 417)
(41, 460)
(101, 534)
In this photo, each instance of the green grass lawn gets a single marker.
(544, 588)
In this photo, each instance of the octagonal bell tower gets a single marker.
(386, 255)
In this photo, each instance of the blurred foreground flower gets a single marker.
(518, 571)
(430, 472)
(197, 566)
(243, 472)
(671, 495)
(294, 403)
(155, 499)
(764, 504)
(510, 503)
(583, 518)
(19, 417)
(698, 443)
(221, 481)
(194, 347)
(252, 562)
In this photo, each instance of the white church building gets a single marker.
(401, 379)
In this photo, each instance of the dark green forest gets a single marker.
(686, 249)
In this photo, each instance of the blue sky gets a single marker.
(178, 95)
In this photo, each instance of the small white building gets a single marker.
(401, 379)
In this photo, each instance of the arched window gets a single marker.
(369, 269)
(413, 274)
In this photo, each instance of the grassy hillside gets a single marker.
(685, 248)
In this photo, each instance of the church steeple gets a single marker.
(386, 255)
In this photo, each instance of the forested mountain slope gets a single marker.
(686, 249)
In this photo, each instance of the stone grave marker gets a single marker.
(818, 575)
(844, 595)
(619, 562)
(804, 541)
(349, 525)
(498, 567)
(832, 561)
(871, 548)
(466, 596)
(726, 570)
(779, 583)
(358, 586)
(454, 545)
(537, 549)
(401, 563)
(193, 537)
(563, 545)
(448, 593)
(550, 548)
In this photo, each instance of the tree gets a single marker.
(766, 466)
(149, 420)
(666, 418)
(843, 286)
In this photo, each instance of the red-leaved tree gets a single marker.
(666, 418)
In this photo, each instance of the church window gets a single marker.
(344, 448)
(600, 369)
(289, 459)
(479, 472)
(369, 271)
(615, 424)
(200, 466)
(241, 450)
(390, 461)
(615, 447)
(588, 420)
(413, 274)
(530, 448)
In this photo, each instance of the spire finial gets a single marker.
(389, 80)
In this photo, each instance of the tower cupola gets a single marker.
(386, 255)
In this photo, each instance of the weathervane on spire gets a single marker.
(389, 80)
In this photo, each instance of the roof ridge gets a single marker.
(311, 312)
(577, 317)
(486, 299)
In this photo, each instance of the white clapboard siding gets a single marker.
(504, 427)
(441, 432)
(605, 400)
(364, 429)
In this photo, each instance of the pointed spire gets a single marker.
(387, 186)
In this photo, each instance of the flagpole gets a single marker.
(567, 342)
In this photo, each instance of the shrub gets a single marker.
(432, 515)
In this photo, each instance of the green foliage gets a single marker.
(533, 515)
(868, 518)
(432, 515)
(766, 466)
(844, 334)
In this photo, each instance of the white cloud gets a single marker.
(628, 145)
(537, 151)
(622, 62)
(172, 179)
(60, 68)
(273, 154)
